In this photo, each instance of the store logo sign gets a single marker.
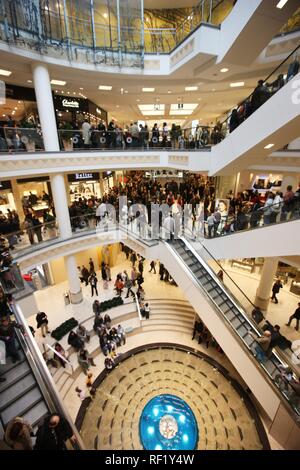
(70, 103)
(84, 176)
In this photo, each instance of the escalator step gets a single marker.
(16, 391)
(36, 414)
(22, 405)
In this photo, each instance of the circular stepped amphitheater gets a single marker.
(225, 415)
(165, 316)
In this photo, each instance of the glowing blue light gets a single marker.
(168, 423)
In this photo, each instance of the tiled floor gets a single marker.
(112, 419)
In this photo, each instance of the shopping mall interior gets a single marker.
(149, 225)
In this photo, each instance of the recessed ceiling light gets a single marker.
(117, 106)
(126, 91)
(237, 84)
(29, 81)
(281, 4)
(7, 73)
(224, 70)
(148, 90)
(169, 91)
(191, 88)
(19, 102)
(138, 101)
(58, 82)
(269, 146)
(68, 92)
(213, 89)
(80, 88)
(105, 87)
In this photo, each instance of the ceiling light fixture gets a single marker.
(29, 81)
(224, 70)
(269, 146)
(105, 15)
(58, 82)
(281, 4)
(148, 90)
(169, 91)
(105, 87)
(237, 84)
(191, 88)
(6, 73)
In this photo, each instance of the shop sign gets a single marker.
(5, 185)
(70, 103)
(83, 177)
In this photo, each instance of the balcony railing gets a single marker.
(78, 32)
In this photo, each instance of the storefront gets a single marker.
(20, 106)
(73, 109)
(108, 180)
(36, 193)
(84, 185)
(6, 197)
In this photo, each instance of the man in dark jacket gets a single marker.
(296, 316)
(259, 96)
(53, 433)
(275, 290)
(8, 335)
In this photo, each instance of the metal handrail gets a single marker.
(247, 319)
(43, 376)
(265, 80)
(138, 308)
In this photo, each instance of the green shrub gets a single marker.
(64, 328)
(107, 304)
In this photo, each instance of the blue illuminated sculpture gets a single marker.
(168, 423)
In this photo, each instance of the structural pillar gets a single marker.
(75, 291)
(17, 199)
(45, 106)
(47, 118)
(266, 282)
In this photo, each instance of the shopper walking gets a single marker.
(275, 290)
(152, 267)
(18, 434)
(295, 316)
(93, 283)
(42, 323)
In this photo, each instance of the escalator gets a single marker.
(20, 394)
(241, 327)
(28, 390)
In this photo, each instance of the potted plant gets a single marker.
(66, 135)
(28, 136)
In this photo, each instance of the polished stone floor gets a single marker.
(112, 418)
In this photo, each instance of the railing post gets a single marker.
(119, 33)
(69, 50)
(93, 28)
(142, 31)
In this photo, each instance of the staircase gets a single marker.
(20, 394)
(169, 315)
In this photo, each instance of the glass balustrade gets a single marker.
(93, 33)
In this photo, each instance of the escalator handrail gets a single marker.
(248, 320)
(229, 295)
(43, 376)
(265, 80)
(241, 291)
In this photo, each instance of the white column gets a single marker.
(45, 106)
(75, 291)
(61, 205)
(266, 282)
